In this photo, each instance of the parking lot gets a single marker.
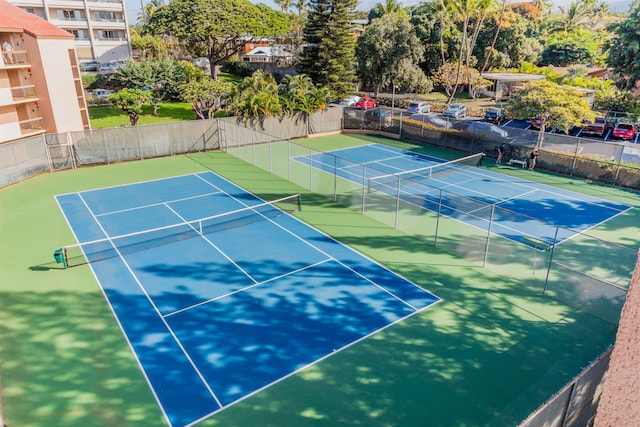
(525, 125)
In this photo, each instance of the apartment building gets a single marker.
(40, 84)
(98, 26)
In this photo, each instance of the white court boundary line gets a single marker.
(329, 258)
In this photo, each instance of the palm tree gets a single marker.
(390, 6)
(465, 11)
(574, 16)
(300, 97)
(543, 5)
(285, 5)
(487, 57)
(599, 11)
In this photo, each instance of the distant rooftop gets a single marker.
(14, 19)
(512, 77)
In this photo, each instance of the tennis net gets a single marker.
(391, 181)
(97, 250)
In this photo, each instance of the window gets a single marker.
(105, 16)
(80, 34)
(108, 35)
(70, 15)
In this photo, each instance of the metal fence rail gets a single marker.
(606, 162)
(571, 271)
(576, 404)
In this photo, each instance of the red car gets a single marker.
(366, 102)
(624, 131)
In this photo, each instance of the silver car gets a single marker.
(419, 107)
(456, 111)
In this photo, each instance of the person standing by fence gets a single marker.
(533, 159)
(501, 149)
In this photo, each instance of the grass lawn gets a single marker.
(112, 116)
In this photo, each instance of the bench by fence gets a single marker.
(521, 162)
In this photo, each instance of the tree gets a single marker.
(564, 53)
(617, 100)
(300, 97)
(387, 7)
(556, 106)
(466, 11)
(161, 77)
(216, 29)
(624, 49)
(387, 50)
(572, 17)
(256, 98)
(148, 46)
(445, 77)
(329, 54)
(437, 34)
(205, 96)
(131, 101)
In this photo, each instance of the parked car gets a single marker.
(419, 107)
(432, 119)
(102, 93)
(366, 102)
(378, 116)
(494, 115)
(349, 101)
(456, 111)
(596, 128)
(482, 129)
(90, 66)
(109, 67)
(624, 131)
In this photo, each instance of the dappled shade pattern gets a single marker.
(216, 318)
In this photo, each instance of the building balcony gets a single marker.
(17, 95)
(14, 59)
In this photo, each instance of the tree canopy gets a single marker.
(624, 50)
(131, 102)
(556, 106)
(216, 29)
(328, 57)
(389, 52)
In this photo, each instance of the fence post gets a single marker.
(310, 169)
(47, 152)
(486, 245)
(397, 202)
(72, 152)
(575, 156)
(335, 178)
(553, 246)
(364, 185)
(435, 239)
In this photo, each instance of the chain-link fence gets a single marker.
(46, 153)
(583, 271)
(576, 404)
(607, 162)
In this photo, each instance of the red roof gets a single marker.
(12, 18)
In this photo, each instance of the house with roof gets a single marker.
(505, 83)
(278, 54)
(40, 85)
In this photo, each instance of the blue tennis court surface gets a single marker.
(217, 317)
(514, 208)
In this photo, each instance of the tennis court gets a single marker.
(221, 294)
(515, 208)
